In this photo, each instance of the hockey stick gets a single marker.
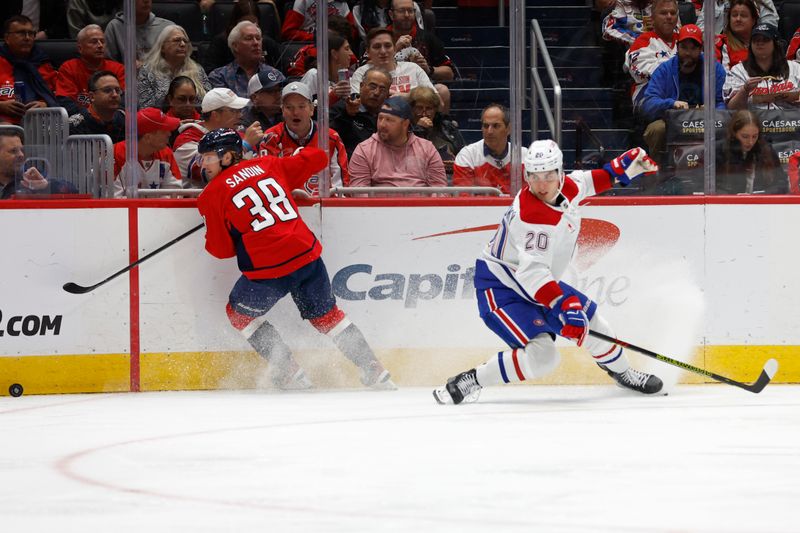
(768, 372)
(74, 288)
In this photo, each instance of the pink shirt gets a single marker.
(415, 164)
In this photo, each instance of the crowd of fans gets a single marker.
(756, 71)
(387, 78)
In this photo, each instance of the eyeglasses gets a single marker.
(179, 40)
(109, 90)
(24, 33)
(376, 87)
(403, 11)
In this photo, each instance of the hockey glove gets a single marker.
(573, 318)
(630, 166)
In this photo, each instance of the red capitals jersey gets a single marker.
(250, 213)
(73, 79)
(7, 84)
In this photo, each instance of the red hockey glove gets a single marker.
(573, 318)
(630, 166)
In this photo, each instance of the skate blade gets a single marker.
(441, 396)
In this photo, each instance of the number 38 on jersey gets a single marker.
(266, 201)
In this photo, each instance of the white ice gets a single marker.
(524, 458)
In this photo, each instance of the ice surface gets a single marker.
(524, 458)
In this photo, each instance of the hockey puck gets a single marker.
(15, 390)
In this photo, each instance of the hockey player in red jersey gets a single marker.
(518, 283)
(249, 213)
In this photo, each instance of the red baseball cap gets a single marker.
(152, 119)
(691, 31)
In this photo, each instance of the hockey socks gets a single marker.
(538, 359)
(351, 342)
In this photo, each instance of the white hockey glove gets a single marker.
(631, 165)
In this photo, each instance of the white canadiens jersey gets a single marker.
(535, 242)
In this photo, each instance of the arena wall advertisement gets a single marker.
(707, 281)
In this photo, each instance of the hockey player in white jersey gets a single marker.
(517, 278)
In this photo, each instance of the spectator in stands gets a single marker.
(181, 100)
(677, 84)
(422, 47)
(22, 61)
(628, 20)
(652, 48)
(15, 180)
(158, 167)
(298, 130)
(487, 163)
(745, 162)
(300, 21)
(169, 57)
(430, 124)
(72, 83)
(148, 28)
(794, 173)
(370, 14)
(339, 58)
(265, 96)
(47, 15)
(221, 109)
(395, 157)
(356, 118)
(765, 80)
(248, 59)
(767, 13)
(82, 13)
(380, 50)
(104, 114)
(306, 57)
(219, 52)
(733, 42)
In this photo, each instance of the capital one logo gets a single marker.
(359, 281)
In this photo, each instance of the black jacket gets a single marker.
(733, 168)
(52, 16)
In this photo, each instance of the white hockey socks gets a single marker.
(605, 353)
(538, 359)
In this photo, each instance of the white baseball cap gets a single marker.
(297, 87)
(217, 98)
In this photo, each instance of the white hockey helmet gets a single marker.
(544, 156)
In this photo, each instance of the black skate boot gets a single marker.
(461, 388)
(635, 380)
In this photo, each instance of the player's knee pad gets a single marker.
(541, 357)
(331, 323)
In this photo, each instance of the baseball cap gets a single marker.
(268, 78)
(297, 87)
(152, 119)
(397, 106)
(767, 30)
(691, 31)
(217, 98)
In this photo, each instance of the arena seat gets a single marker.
(58, 50)
(269, 21)
(185, 14)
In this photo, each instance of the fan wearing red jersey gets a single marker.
(250, 214)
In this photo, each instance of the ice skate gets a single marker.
(635, 380)
(462, 388)
(291, 377)
(375, 376)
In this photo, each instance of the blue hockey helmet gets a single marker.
(221, 141)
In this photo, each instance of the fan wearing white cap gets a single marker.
(221, 108)
(518, 278)
(299, 130)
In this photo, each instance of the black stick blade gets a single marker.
(74, 288)
(769, 371)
